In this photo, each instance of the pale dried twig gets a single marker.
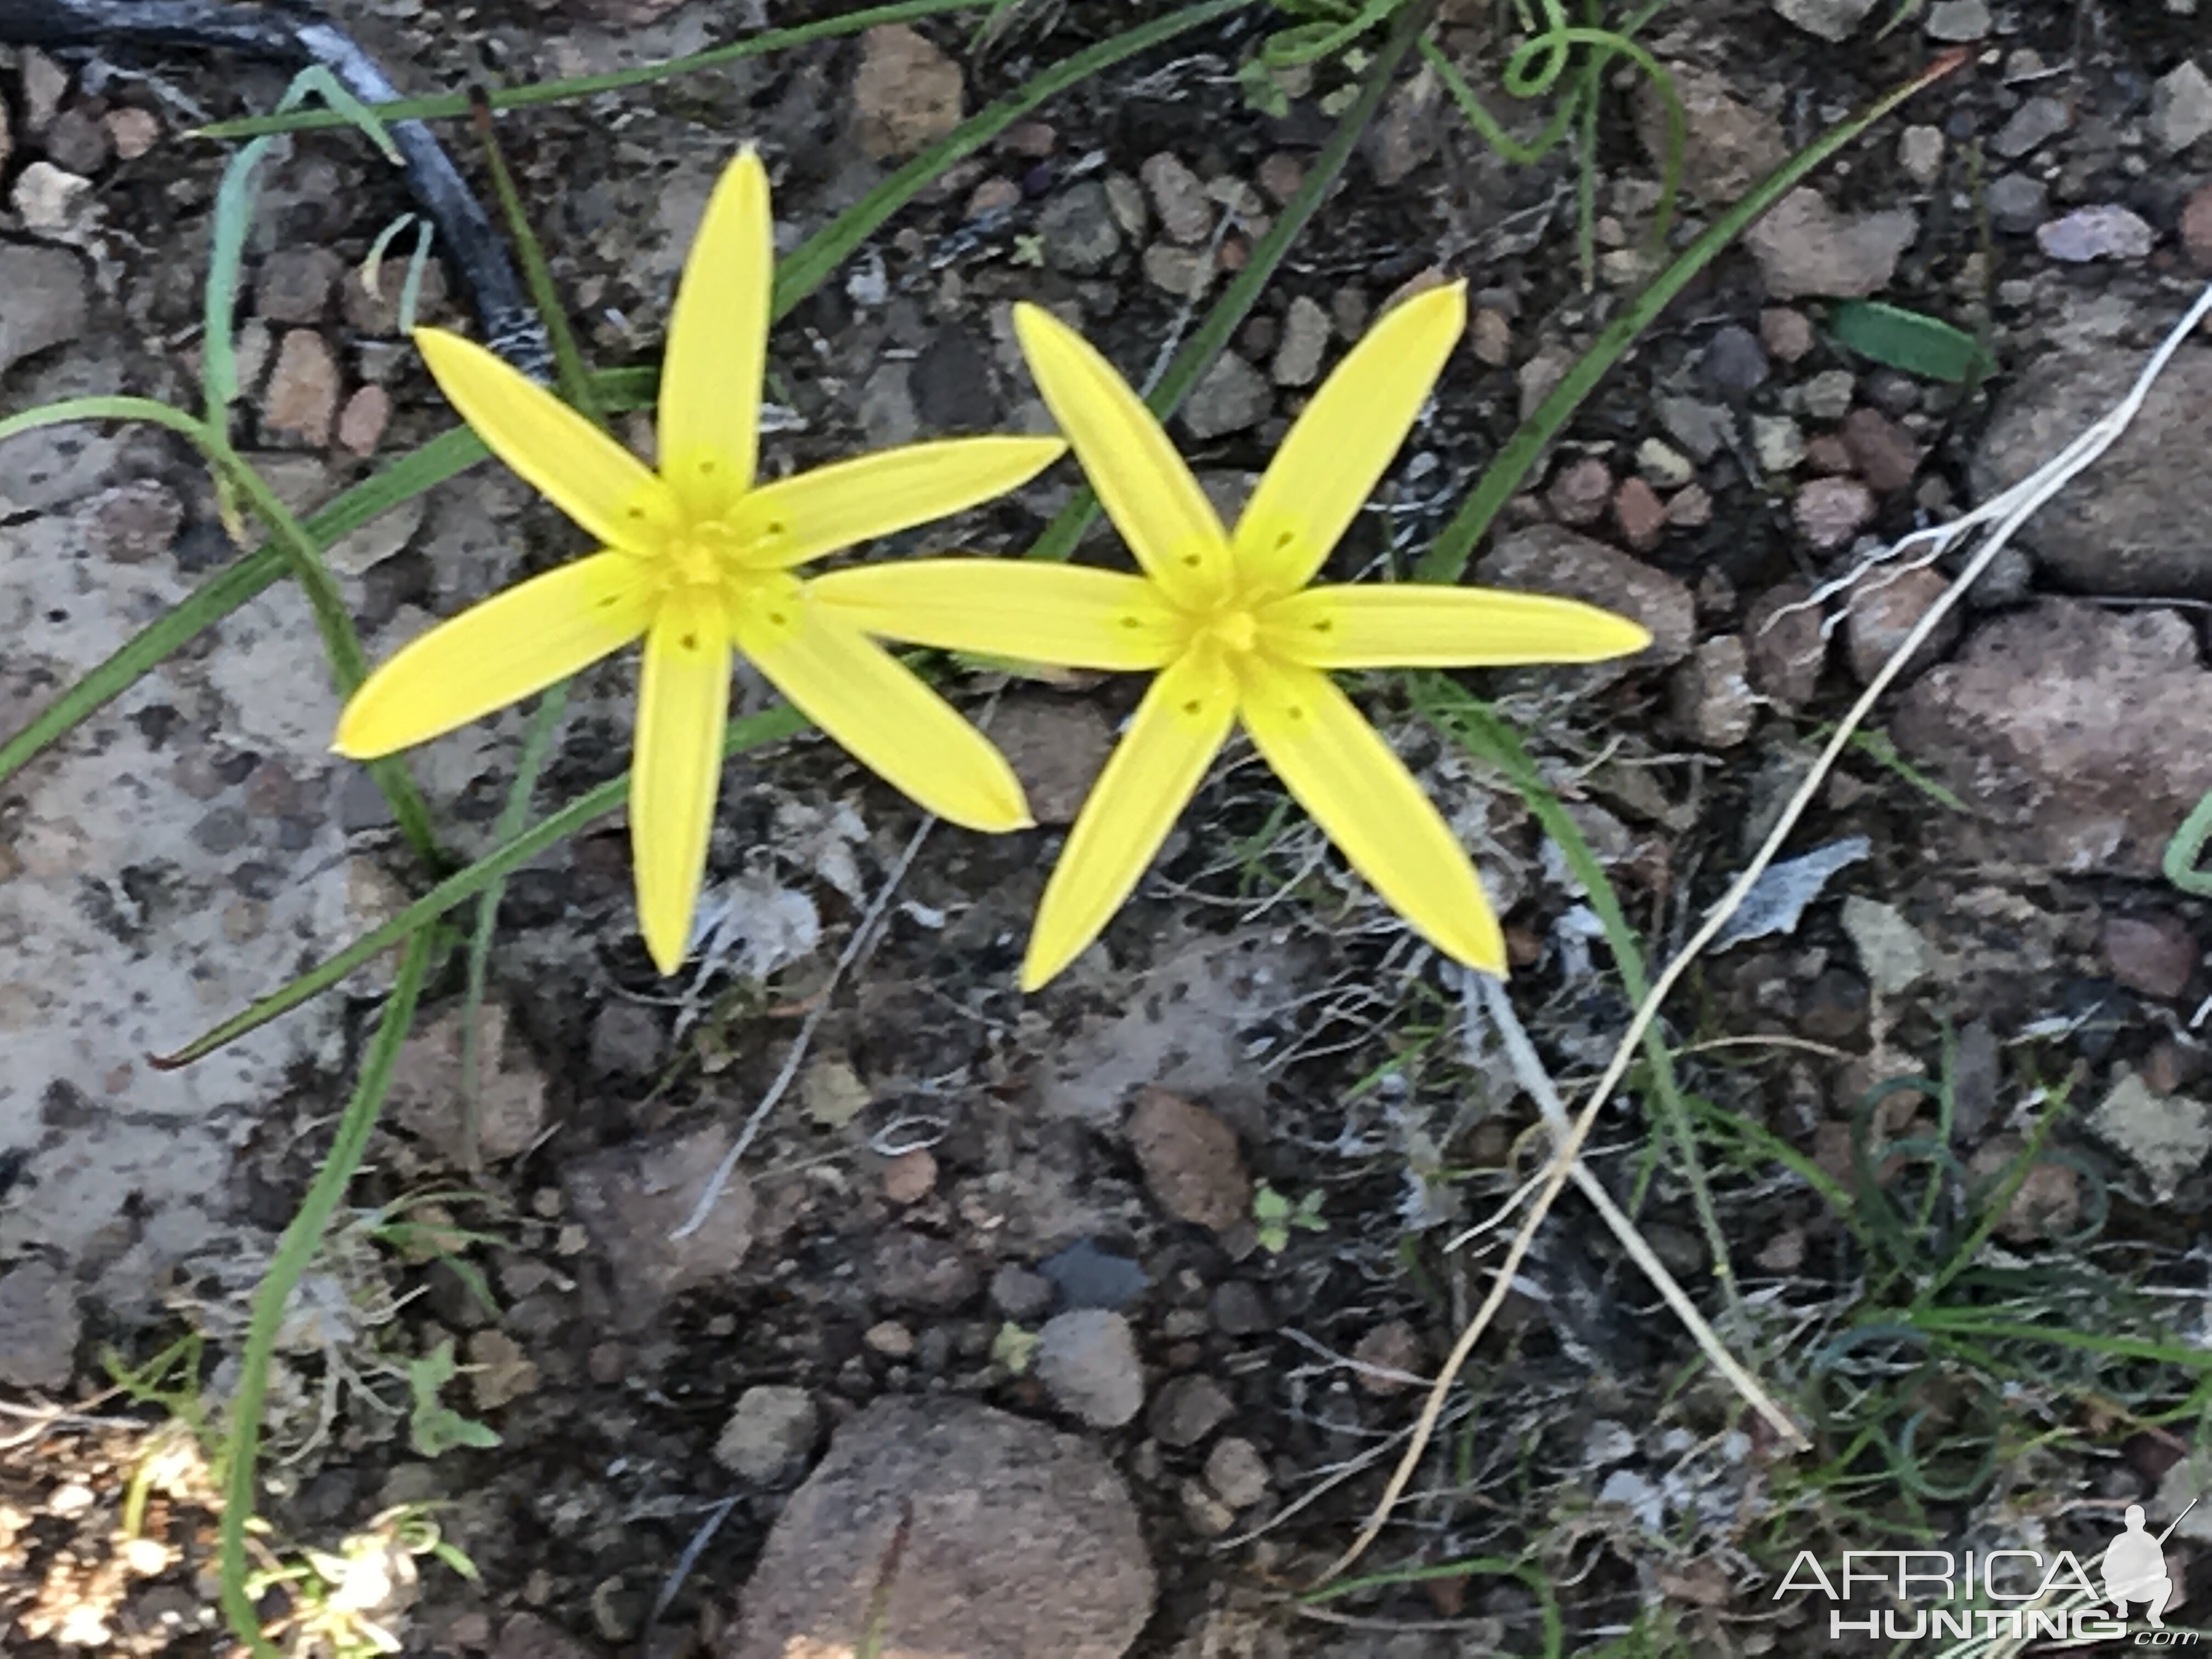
(2006, 514)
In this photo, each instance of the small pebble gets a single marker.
(1581, 492)
(1236, 1472)
(362, 422)
(1087, 1360)
(1827, 396)
(1777, 443)
(1280, 174)
(133, 131)
(1663, 466)
(1640, 513)
(1786, 334)
(1690, 507)
(1391, 1359)
(2105, 231)
(909, 1177)
(1830, 512)
(889, 1339)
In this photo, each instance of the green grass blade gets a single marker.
(1446, 561)
(1229, 312)
(1468, 721)
(2187, 847)
(770, 726)
(449, 105)
(295, 1251)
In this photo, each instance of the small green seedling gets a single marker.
(1014, 1348)
(1273, 1215)
(434, 1427)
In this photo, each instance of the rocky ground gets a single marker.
(1089, 1323)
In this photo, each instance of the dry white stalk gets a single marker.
(2006, 514)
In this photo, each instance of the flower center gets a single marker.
(1235, 629)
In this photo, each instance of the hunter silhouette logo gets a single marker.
(2134, 1566)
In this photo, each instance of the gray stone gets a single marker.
(2104, 230)
(1087, 1276)
(2076, 732)
(1804, 247)
(1236, 1472)
(1019, 1294)
(2165, 1136)
(2134, 523)
(49, 300)
(78, 142)
(39, 1326)
(2018, 201)
(1057, 746)
(295, 285)
(2156, 955)
(1728, 146)
(626, 1040)
(1187, 1409)
(2181, 107)
(1546, 559)
(1306, 338)
(1786, 645)
(2030, 127)
(1704, 429)
(1832, 19)
(886, 410)
(1733, 363)
(917, 1270)
(1958, 20)
(973, 1533)
(427, 1091)
(1712, 695)
(1231, 396)
(1893, 952)
(1178, 196)
(632, 1198)
(1079, 230)
(770, 1434)
(1087, 1360)
(1880, 612)
(50, 200)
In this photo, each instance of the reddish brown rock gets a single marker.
(1547, 559)
(1829, 512)
(1786, 643)
(1579, 492)
(1191, 1160)
(1640, 513)
(1886, 606)
(2153, 954)
(2075, 732)
(1885, 456)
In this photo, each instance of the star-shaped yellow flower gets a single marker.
(1234, 635)
(697, 560)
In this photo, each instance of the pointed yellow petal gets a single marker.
(1068, 616)
(1426, 625)
(710, 376)
(573, 464)
(496, 652)
(886, 717)
(1342, 444)
(1342, 772)
(1176, 732)
(675, 770)
(794, 519)
(1142, 482)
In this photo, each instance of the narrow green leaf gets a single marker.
(770, 726)
(1909, 341)
(295, 1251)
(449, 105)
(2187, 847)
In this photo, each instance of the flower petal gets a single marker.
(1427, 625)
(885, 716)
(573, 464)
(1146, 488)
(1342, 444)
(710, 375)
(676, 770)
(1177, 730)
(1341, 771)
(797, 519)
(496, 652)
(1068, 615)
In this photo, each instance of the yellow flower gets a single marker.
(1234, 634)
(697, 559)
